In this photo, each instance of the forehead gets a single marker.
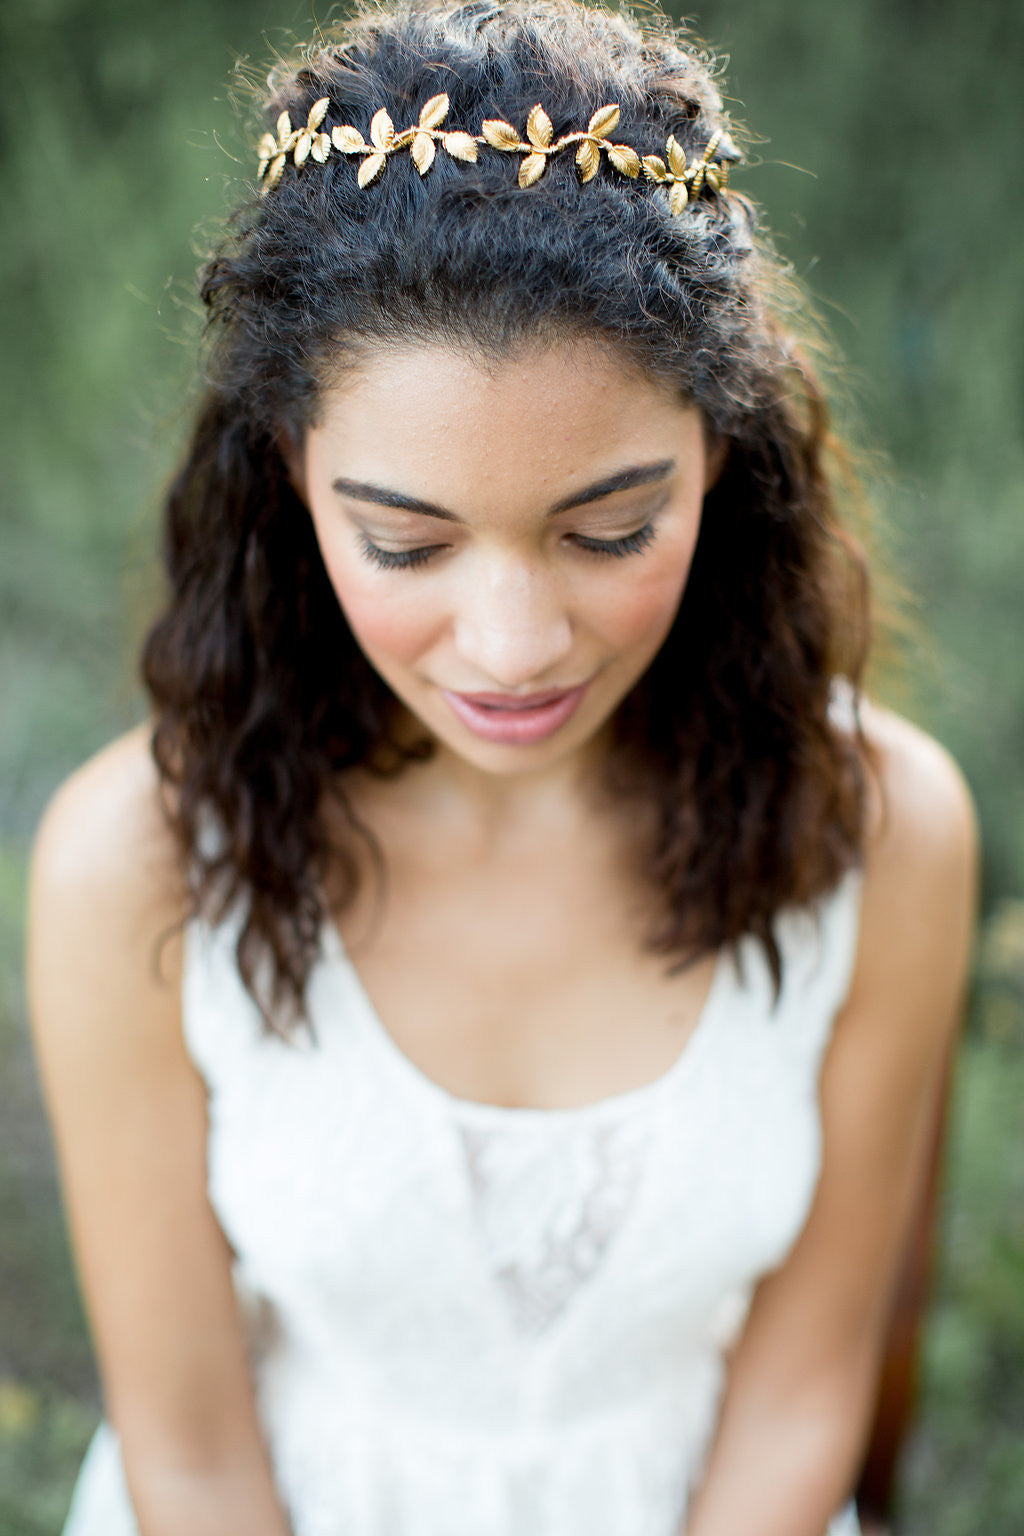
(439, 416)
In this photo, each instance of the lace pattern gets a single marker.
(549, 1201)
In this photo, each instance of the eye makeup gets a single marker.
(395, 560)
(411, 559)
(629, 544)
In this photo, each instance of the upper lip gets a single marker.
(518, 700)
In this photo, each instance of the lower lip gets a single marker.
(515, 727)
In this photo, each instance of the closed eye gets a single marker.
(395, 560)
(411, 559)
(629, 544)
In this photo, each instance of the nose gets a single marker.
(513, 627)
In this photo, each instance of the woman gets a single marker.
(493, 1012)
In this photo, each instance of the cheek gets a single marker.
(389, 618)
(641, 613)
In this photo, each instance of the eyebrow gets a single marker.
(622, 480)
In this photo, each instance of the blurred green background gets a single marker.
(892, 133)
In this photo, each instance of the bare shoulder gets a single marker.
(922, 817)
(884, 1073)
(128, 1108)
(920, 887)
(104, 837)
(105, 886)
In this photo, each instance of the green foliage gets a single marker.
(113, 119)
(965, 1470)
(43, 1437)
(123, 133)
(902, 114)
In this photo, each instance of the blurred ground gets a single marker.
(119, 136)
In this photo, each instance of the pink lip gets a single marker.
(515, 719)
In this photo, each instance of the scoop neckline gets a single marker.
(333, 949)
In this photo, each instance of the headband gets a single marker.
(684, 180)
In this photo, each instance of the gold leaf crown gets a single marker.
(684, 180)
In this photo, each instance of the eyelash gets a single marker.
(411, 559)
(393, 560)
(630, 544)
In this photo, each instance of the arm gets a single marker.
(129, 1119)
(801, 1384)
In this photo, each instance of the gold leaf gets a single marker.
(462, 145)
(713, 143)
(538, 128)
(382, 130)
(676, 156)
(274, 172)
(349, 140)
(713, 177)
(434, 111)
(284, 128)
(654, 168)
(317, 113)
(371, 168)
(532, 169)
(603, 122)
(321, 146)
(588, 159)
(302, 148)
(423, 152)
(678, 197)
(625, 159)
(268, 147)
(499, 134)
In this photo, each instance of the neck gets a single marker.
(464, 801)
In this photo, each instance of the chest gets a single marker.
(524, 986)
(338, 1174)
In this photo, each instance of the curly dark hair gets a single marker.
(262, 698)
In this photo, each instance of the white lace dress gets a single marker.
(469, 1320)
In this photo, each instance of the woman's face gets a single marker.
(509, 541)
